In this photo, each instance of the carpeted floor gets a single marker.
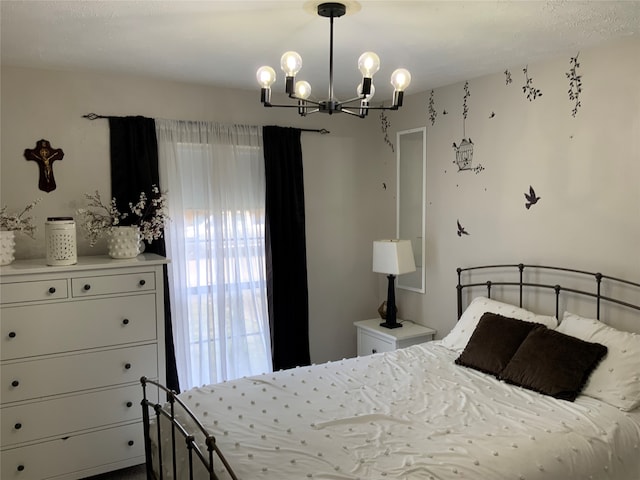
(133, 473)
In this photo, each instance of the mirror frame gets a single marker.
(415, 281)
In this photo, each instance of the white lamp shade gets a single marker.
(393, 257)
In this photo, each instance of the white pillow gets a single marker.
(458, 338)
(616, 380)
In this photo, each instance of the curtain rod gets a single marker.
(321, 131)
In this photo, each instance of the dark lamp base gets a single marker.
(392, 310)
(390, 325)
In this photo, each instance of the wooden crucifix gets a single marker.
(44, 155)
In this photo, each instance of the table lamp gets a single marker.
(392, 257)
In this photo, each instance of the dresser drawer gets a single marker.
(66, 326)
(74, 373)
(108, 284)
(369, 344)
(74, 453)
(64, 415)
(33, 291)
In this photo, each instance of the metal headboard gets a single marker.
(598, 278)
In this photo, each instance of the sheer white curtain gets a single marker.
(216, 243)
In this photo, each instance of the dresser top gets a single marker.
(39, 265)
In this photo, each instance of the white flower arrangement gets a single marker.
(149, 215)
(19, 222)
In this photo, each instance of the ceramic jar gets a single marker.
(60, 237)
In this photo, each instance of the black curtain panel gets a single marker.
(286, 254)
(134, 169)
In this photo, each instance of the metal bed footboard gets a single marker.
(596, 293)
(178, 431)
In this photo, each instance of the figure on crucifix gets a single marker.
(44, 155)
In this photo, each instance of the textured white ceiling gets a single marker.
(224, 42)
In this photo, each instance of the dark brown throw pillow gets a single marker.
(494, 341)
(553, 363)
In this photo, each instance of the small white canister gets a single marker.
(60, 236)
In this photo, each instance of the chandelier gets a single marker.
(359, 106)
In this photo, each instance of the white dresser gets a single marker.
(75, 341)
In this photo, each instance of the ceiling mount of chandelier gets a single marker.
(368, 64)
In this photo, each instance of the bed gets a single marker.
(507, 394)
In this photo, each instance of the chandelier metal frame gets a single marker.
(400, 79)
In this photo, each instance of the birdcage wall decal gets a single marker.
(464, 151)
(464, 154)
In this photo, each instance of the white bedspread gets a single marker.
(411, 414)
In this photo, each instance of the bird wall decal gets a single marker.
(461, 229)
(531, 197)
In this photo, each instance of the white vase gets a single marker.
(124, 242)
(7, 247)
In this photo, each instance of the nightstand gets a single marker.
(372, 338)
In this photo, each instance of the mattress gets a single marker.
(409, 414)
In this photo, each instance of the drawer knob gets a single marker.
(12, 334)
(142, 283)
(86, 287)
(17, 426)
(127, 366)
(20, 468)
(52, 290)
(130, 443)
(125, 321)
(129, 404)
(15, 383)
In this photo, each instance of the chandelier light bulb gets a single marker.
(291, 63)
(369, 96)
(266, 76)
(303, 89)
(400, 79)
(368, 64)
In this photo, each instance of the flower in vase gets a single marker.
(20, 222)
(149, 214)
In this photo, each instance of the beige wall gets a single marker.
(586, 169)
(342, 175)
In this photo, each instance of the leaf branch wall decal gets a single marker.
(575, 84)
(385, 124)
(432, 111)
(528, 88)
(508, 78)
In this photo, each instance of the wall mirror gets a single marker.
(411, 199)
